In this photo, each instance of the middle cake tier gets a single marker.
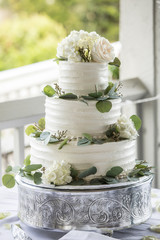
(78, 117)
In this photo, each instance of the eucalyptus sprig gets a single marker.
(46, 137)
(116, 62)
(31, 171)
(36, 128)
(88, 139)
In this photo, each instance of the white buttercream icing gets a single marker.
(81, 78)
(103, 156)
(77, 117)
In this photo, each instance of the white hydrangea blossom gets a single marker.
(58, 173)
(69, 46)
(126, 128)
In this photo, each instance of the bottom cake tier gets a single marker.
(102, 156)
(113, 206)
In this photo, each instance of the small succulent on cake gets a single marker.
(57, 174)
(86, 47)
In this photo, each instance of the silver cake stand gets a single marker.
(113, 206)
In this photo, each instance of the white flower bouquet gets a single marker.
(81, 46)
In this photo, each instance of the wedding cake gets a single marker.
(82, 170)
(83, 113)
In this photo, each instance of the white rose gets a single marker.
(103, 51)
(126, 128)
(58, 173)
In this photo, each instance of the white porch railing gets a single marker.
(26, 81)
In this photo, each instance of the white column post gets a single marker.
(157, 84)
(19, 145)
(137, 36)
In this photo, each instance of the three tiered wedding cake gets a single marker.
(83, 112)
(82, 169)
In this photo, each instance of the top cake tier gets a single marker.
(81, 78)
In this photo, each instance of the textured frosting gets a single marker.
(81, 78)
(77, 117)
(103, 156)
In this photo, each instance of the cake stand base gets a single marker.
(115, 206)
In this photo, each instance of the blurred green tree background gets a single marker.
(32, 29)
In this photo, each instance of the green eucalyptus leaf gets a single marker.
(32, 167)
(68, 96)
(27, 160)
(116, 62)
(104, 106)
(88, 136)
(41, 124)
(95, 94)
(30, 129)
(77, 182)
(95, 181)
(110, 180)
(49, 91)
(57, 59)
(88, 97)
(63, 143)
(137, 121)
(74, 172)
(83, 141)
(36, 134)
(8, 169)
(102, 98)
(112, 91)
(82, 100)
(29, 176)
(132, 178)
(114, 171)
(8, 180)
(4, 215)
(98, 141)
(37, 178)
(88, 172)
(110, 85)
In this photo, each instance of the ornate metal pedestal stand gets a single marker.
(113, 206)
